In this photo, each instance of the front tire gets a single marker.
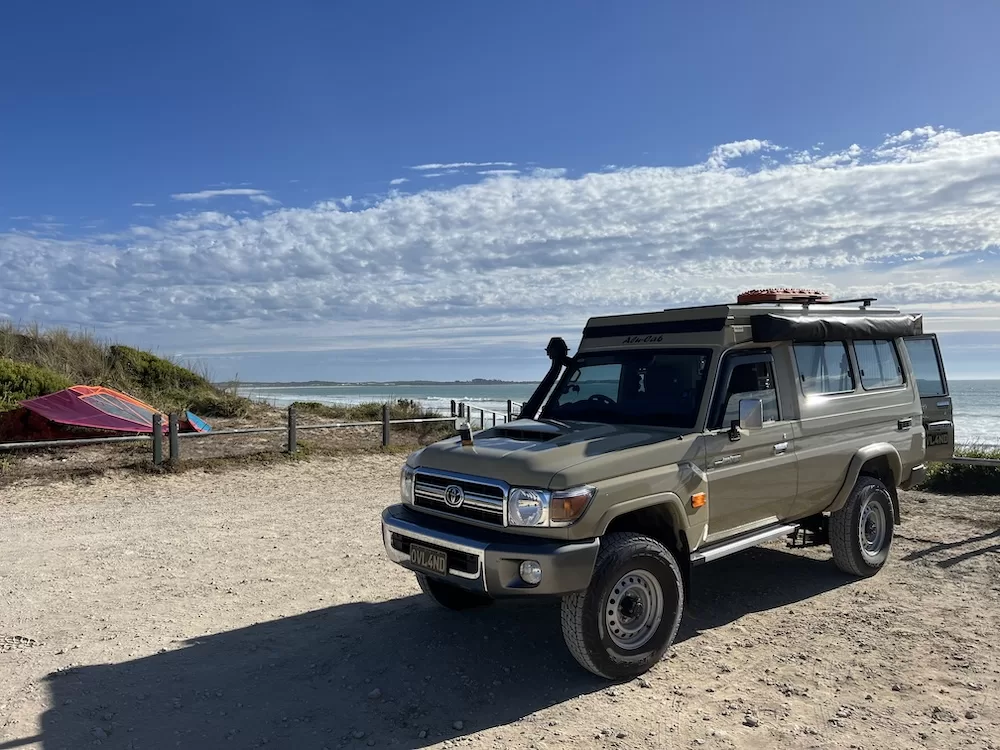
(861, 532)
(451, 597)
(628, 617)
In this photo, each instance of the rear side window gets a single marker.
(824, 368)
(878, 364)
(926, 371)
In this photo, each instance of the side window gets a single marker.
(749, 380)
(926, 370)
(824, 368)
(878, 364)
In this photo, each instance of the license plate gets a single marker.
(429, 559)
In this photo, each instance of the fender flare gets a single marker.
(860, 458)
(669, 501)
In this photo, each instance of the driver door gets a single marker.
(752, 481)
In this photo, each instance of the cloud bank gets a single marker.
(912, 220)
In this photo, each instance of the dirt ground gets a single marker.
(254, 608)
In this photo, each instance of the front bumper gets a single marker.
(487, 561)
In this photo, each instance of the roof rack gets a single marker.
(865, 301)
(804, 297)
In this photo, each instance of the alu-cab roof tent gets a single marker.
(779, 315)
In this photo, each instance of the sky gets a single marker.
(390, 190)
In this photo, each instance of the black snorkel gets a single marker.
(558, 352)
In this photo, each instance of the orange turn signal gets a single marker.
(568, 505)
(698, 499)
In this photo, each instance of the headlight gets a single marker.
(526, 507)
(406, 484)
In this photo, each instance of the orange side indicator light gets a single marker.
(698, 499)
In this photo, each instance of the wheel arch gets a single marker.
(660, 517)
(879, 460)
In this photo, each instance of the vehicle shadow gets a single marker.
(936, 546)
(401, 672)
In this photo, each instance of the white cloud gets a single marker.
(513, 261)
(204, 195)
(499, 172)
(143, 205)
(267, 200)
(548, 172)
(464, 165)
(398, 181)
(722, 155)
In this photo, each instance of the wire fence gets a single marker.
(291, 429)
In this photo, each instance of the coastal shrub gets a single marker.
(78, 357)
(973, 480)
(371, 411)
(22, 380)
(149, 372)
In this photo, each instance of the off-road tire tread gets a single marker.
(462, 600)
(844, 533)
(615, 548)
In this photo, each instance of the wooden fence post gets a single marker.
(482, 419)
(494, 419)
(157, 440)
(385, 425)
(510, 410)
(175, 448)
(453, 412)
(293, 443)
(461, 409)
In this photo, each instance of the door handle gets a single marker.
(780, 448)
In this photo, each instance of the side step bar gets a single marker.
(732, 546)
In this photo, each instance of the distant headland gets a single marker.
(366, 383)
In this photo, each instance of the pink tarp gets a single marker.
(97, 408)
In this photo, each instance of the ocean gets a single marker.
(976, 402)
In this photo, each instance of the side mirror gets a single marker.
(751, 414)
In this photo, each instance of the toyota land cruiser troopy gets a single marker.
(672, 439)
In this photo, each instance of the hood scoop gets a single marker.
(528, 430)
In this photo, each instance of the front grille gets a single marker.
(483, 499)
(464, 562)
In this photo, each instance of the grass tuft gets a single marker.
(976, 480)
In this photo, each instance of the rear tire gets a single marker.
(861, 532)
(628, 617)
(451, 597)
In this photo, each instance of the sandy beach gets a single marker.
(254, 608)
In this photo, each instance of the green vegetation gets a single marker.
(23, 380)
(975, 480)
(35, 361)
(372, 412)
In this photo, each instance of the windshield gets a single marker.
(662, 388)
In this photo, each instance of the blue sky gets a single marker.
(382, 190)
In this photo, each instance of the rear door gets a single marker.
(932, 384)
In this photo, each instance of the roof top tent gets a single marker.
(760, 316)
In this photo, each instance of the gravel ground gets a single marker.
(253, 608)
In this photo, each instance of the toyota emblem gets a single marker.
(453, 496)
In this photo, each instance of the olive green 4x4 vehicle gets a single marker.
(669, 440)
